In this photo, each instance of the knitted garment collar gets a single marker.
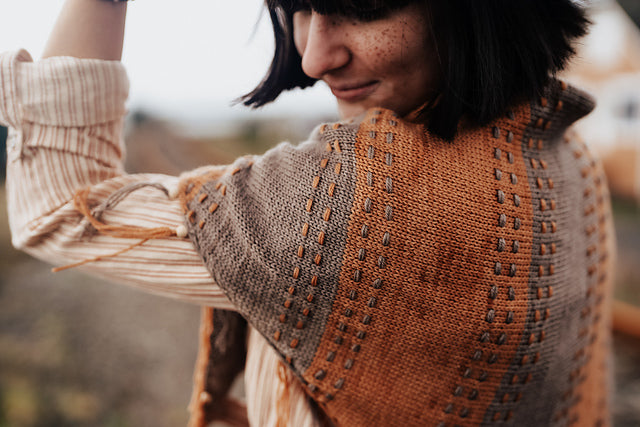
(406, 280)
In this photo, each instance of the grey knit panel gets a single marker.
(534, 389)
(275, 243)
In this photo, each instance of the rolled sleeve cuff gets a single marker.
(61, 91)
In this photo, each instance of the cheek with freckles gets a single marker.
(392, 53)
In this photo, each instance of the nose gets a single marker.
(326, 46)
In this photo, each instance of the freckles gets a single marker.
(384, 46)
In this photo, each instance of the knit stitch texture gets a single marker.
(411, 281)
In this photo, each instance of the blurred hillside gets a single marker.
(156, 145)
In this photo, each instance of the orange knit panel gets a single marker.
(433, 294)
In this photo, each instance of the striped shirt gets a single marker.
(65, 117)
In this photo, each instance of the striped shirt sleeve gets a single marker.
(65, 117)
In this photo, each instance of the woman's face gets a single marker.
(388, 62)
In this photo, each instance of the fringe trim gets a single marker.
(99, 258)
(199, 395)
(186, 191)
(227, 410)
(284, 402)
(626, 319)
(80, 202)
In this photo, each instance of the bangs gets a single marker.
(358, 9)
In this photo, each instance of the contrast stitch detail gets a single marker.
(596, 257)
(203, 197)
(501, 294)
(525, 370)
(334, 149)
(351, 327)
(542, 262)
(503, 301)
(288, 316)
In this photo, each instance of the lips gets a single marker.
(353, 92)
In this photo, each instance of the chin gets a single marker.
(347, 112)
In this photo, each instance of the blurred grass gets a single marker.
(75, 351)
(627, 221)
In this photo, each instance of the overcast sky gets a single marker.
(185, 58)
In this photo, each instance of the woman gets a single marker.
(440, 257)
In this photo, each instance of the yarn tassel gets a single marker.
(81, 204)
(626, 319)
(198, 398)
(186, 191)
(99, 257)
(125, 231)
(283, 403)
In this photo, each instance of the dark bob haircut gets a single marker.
(491, 52)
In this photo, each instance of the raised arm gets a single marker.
(66, 114)
(88, 29)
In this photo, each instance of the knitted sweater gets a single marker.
(406, 280)
(501, 300)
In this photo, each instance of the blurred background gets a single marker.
(75, 351)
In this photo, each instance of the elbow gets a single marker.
(26, 234)
(21, 238)
(16, 232)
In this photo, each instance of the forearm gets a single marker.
(88, 29)
(56, 233)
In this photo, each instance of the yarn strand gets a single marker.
(626, 319)
(99, 257)
(125, 231)
(283, 404)
(81, 204)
